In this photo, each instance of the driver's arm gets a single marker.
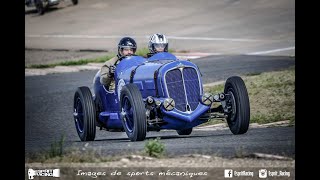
(105, 77)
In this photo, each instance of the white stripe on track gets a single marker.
(271, 51)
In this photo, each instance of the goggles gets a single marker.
(127, 49)
(162, 45)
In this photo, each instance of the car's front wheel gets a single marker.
(84, 114)
(133, 113)
(238, 117)
(185, 131)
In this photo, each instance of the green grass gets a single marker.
(142, 51)
(102, 59)
(57, 148)
(271, 96)
(154, 148)
(73, 63)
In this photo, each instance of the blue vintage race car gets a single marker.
(160, 92)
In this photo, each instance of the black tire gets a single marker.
(135, 120)
(239, 118)
(74, 2)
(84, 114)
(185, 131)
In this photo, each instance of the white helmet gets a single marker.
(158, 41)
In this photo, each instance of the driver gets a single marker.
(126, 47)
(157, 43)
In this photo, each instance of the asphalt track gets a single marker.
(48, 101)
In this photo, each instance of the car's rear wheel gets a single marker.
(238, 105)
(133, 113)
(84, 114)
(185, 131)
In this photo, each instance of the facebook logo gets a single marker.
(228, 173)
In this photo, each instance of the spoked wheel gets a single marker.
(238, 105)
(84, 114)
(185, 131)
(133, 113)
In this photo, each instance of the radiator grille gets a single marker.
(180, 86)
(192, 87)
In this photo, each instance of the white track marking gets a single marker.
(211, 39)
(271, 51)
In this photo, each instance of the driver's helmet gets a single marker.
(158, 41)
(126, 42)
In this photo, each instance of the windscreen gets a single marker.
(162, 56)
